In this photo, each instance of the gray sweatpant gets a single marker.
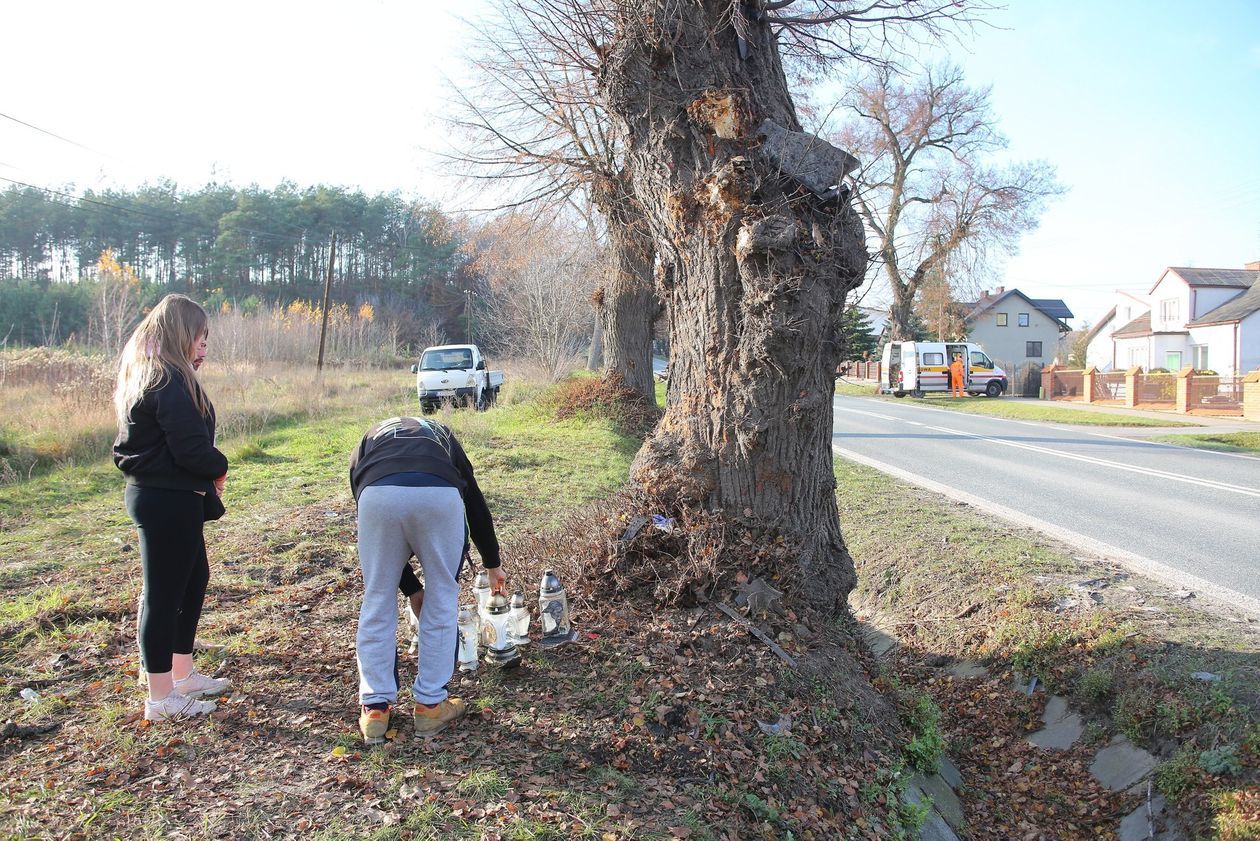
(394, 523)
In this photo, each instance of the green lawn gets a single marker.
(1226, 442)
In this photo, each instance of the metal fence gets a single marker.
(1067, 384)
(1215, 394)
(858, 370)
(1155, 389)
(1109, 387)
(1023, 378)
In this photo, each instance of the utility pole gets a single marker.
(323, 327)
(468, 314)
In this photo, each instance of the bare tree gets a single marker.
(533, 121)
(758, 245)
(928, 191)
(937, 310)
(116, 303)
(539, 297)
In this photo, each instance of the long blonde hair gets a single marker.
(162, 342)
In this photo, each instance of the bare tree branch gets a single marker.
(928, 190)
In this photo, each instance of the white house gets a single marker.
(1208, 318)
(1016, 329)
(1100, 349)
(876, 319)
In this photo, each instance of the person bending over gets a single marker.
(416, 495)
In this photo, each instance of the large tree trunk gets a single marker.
(595, 355)
(628, 303)
(757, 268)
(900, 318)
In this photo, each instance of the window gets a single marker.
(1001, 322)
(933, 359)
(1199, 353)
(1032, 350)
(1137, 357)
(1172, 360)
(1170, 310)
(444, 360)
(979, 360)
(1023, 319)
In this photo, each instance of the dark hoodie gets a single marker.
(167, 442)
(412, 445)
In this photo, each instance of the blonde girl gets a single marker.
(165, 448)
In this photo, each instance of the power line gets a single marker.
(58, 136)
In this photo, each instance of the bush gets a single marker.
(1095, 684)
(606, 398)
(919, 713)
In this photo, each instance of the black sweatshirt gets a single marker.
(167, 442)
(412, 445)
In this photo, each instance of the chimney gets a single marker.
(1253, 266)
(1000, 290)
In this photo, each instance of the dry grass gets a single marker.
(56, 405)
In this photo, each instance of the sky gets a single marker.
(1150, 111)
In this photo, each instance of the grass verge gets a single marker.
(1134, 659)
(1226, 442)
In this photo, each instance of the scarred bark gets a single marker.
(754, 274)
(628, 303)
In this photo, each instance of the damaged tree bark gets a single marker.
(756, 262)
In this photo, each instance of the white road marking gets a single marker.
(1135, 562)
(868, 414)
(1202, 430)
(1115, 465)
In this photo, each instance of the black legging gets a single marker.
(173, 558)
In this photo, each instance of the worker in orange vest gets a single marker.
(957, 376)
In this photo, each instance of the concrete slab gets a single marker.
(943, 799)
(1136, 826)
(877, 641)
(1063, 727)
(935, 827)
(1121, 764)
(950, 773)
(965, 669)
(1062, 734)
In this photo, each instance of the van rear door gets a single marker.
(893, 366)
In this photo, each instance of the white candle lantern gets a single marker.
(467, 639)
(553, 612)
(481, 590)
(496, 633)
(520, 619)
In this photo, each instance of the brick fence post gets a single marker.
(1047, 382)
(1130, 386)
(1185, 377)
(1087, 384)
(1251, 396)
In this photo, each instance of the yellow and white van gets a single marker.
(916, 368)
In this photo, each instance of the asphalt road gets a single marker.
(1189, 517)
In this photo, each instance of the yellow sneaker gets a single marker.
(435, 719)
(373, 724)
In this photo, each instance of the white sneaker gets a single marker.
(197, 685)
(175, 707)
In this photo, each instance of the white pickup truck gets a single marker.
(455, 373)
